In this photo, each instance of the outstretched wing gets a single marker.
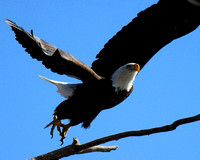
(53, 58)
(151, 30)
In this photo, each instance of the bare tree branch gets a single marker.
(77, 148)
(71, 150)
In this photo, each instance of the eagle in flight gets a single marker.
(110, 80)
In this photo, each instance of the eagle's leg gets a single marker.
(64, 132)
(55, 123)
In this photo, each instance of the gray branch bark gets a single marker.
(77, 148)
(71, 150)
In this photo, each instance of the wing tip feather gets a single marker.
(11, 23)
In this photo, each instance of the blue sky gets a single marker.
(167, 88)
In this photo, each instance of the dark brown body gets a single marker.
(88, 101)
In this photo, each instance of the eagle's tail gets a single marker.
(65, 89)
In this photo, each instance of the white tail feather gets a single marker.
(65, 89)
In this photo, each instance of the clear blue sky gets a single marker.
(167, 88)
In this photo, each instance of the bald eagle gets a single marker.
(110, 79)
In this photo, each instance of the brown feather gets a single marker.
(53, 58)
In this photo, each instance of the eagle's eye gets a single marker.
(133, 66)
(130, 66)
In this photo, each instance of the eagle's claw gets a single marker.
(55, 123)
(64, 132)
(59, 124)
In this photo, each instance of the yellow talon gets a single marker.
(64, 132)
(55, 123)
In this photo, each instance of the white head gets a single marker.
(123, 78)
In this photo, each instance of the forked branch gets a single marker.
(77, 148)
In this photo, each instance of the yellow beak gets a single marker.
(137, 67)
